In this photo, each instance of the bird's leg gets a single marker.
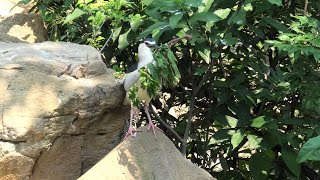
(131, 131)
(150, 125)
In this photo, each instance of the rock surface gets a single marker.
(60, 110)
(22, 28)
(144, 157)
(10, 7)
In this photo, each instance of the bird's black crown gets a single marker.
(150, 42)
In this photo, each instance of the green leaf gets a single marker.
(221, 136)
(147, 2)
(125, 39)
(289, 157)
(310, 150)
(232, 121)
(193, 3)
(206, 6)
(74, 15)
(254, 141)
(156, 33)
(237, 138)
(276, 24)
(148, 31)
(259, 166)
(229, 40)
(276, 2)
(116, 33)
(173, 64)
(154, 13)
(67, 2)
(136, 21)
(174, 19)
(205, 54)
(238, 17)
(205, 17)
(258, 122)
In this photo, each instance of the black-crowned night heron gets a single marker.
(132, 78)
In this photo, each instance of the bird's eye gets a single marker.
(147, 43)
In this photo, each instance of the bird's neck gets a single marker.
(145, 55)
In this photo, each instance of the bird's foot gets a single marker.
(153, 127)
(131, 132)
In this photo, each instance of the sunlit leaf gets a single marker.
(116, 33)
(125, 39)
(237, 138)
(136, 21)
(205, 55)
(221, 136)
(232, 121)
(222, 13)
(254, 141)
(74, 15)
(258, 122)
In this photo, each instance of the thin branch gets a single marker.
(305, 7)
(204, 78)
(105, 44)
(189, 120)
(193, 97)
(207, 129)
(190, 115)
(166, 125)
(176, 40)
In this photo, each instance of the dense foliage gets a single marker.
(250, 80)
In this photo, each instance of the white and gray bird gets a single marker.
(132, 78)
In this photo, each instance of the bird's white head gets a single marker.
(145, 53)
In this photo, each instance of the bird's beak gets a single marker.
(153, 46)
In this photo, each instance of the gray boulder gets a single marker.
(146, 158)
(60, 110)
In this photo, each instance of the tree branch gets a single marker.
(305, 10)
(166, 125)
(207, 130)
(176, 40)
(190, 116)
(105, 44)
(189, 120)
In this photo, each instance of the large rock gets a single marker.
(22, 28)
(146, 158)
(60, 110)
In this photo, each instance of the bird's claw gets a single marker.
(131, 132)
(153, 127)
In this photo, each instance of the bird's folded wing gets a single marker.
(131, 79)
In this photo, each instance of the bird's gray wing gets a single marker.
(131, 79)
